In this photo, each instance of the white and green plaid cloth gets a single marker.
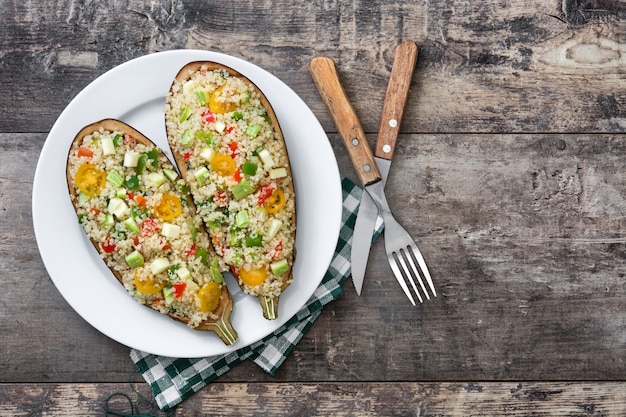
(172, 380)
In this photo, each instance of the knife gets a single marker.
(390, 121)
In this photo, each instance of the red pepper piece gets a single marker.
(233, 149)
(141, 201)
(192, 251)
(277, 250)
(208, 116)
(84, 152)
(108, 246)
(179, 289)
(264, 193)
(148, 227)
(220, 198)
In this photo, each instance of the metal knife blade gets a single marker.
(390, 121)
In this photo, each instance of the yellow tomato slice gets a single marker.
(275, 202)
(224, 165)
(220, 103)
(149, 285)
(209, 296)
(90, 179)
(253, 277)
(168, 207)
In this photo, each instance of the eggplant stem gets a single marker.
(270, 307)
(226, 332)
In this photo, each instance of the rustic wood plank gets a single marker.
(489, 66)
(509, 173)
(525, 230)
(452, 399)
(533, 241)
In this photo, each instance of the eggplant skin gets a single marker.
(210, 100)
(219, 320)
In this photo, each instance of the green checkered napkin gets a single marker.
(173, 380)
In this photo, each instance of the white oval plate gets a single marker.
(134, 92)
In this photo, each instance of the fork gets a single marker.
(402, 251)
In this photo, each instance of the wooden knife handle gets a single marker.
(395, 99)
(326, 79)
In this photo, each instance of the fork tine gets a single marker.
(399, 277)
(423, 267)
(410, 255)
(401, 255)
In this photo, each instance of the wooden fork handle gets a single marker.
(395, 99)
(326, 79)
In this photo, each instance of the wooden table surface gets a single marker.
(509, 172)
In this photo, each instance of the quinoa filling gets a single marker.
(239, 175)
(132, 204)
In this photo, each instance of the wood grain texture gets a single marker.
(397, 92)
(425, 399)
(508, 172)
(527, 254)
(326, 78)
(488, 66)
(526, 230)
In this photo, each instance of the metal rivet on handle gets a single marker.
(393, 122)
(366, 168)
(386, 148)
(355, 142)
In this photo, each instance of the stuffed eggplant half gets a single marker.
(137, 212)
(229, 147)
